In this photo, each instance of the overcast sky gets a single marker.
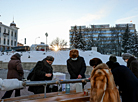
(36, 17)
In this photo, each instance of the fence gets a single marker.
(58, 82)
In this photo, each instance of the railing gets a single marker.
(58, 82)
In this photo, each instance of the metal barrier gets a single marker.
(58, 82)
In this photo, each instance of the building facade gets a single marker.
(8, 36)
(103, 37)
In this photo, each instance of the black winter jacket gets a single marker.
(132, 64)
(41, 68)
(76, 67)
(127, 82)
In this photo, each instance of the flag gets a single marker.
(130, 21)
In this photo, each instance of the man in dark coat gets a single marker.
(41, 72)
(127, 82)
(15, 70)
(76, 65)
(112, 60)
(132, 63)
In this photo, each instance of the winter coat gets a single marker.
(127, 82)
(76, 67)
(132, 64)
(41, 68)
(103, 88)
(15, 69)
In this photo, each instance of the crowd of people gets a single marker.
(124, 77)
(109, 81)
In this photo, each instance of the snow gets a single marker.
(60, 56)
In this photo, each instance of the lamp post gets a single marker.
(35, 40)
(46, 34)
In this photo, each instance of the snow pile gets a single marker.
(60, 56)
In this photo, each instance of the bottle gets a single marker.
(85, 92)
(67, 88)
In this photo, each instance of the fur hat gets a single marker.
(113, 58)
(126, 56)
(95, 61)
(74, 53)
(50, 58)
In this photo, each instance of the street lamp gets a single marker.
(35, 40)
(46, 34)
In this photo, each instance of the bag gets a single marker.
(30, 74)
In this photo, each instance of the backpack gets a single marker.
(30, 74)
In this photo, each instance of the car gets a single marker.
(9, 51)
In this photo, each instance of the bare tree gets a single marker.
(59, 43)
(63, 43)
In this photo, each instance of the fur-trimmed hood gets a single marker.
(103, 88)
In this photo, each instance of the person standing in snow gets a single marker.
(41, 72)
(76, 65)
(15, 71)
(132, 63)
(95, 61)
(112, 59)
(126, 80)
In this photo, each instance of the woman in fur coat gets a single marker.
(103, 88)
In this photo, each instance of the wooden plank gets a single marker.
(54, 96)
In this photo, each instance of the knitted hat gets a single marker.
(95, 61)
(74, 53)
(112, 58)
(50, 58)
(126, 56)
(110, 64)
(17, 55)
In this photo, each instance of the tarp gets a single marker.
(10, 84)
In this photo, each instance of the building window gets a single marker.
(8, 31)
(15, 34)
(14, 43)
(0, 40)
(4, 41)
(4, 30)
(0, 29)
(8, 42)
(12, 33)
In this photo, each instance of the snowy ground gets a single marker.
(60, 56)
